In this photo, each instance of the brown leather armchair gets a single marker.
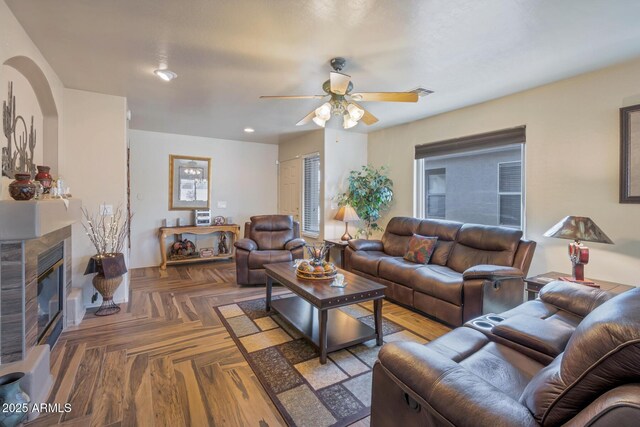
(267, 239)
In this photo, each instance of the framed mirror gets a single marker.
(630, 154)
(189, 182)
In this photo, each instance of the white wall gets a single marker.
(14, 41)
(572, 162)
(344, 151)
(96, 150)
(244, 174)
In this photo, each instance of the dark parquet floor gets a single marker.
(167, 360)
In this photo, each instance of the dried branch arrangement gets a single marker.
(107, 233)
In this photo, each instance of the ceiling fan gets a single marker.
(342, 101)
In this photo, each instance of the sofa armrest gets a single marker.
(295, 243)
(450, 389)
(246, 244)
(365, 245)
(540, 335)
(492, 273)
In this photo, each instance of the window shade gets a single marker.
(509, 178)
(311, 205)
(473, 142)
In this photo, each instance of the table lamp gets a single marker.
(346, 214)
(578, 228)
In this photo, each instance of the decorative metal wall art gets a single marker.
(17, 156)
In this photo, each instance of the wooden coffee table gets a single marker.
(310, 311)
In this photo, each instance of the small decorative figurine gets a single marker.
(223, 247)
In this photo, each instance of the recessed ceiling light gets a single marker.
(166, 75)
(249, 130)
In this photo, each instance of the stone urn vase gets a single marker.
(15, 402)
(44, 177)
(22, 188)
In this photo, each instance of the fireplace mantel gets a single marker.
(32, 219)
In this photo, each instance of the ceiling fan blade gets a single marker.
(307, 118)
(294, 97)
(339, 82)
(386, 96)
(367, 118)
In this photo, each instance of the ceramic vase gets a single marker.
(14, 400)
(44, 177)
(22, 188)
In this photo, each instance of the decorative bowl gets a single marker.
(323, 271)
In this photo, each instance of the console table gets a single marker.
(192, 229)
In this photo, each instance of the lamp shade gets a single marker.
(347, 214)
(579, 228)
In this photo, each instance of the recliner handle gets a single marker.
(412, 403)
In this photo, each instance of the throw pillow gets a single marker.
(420, 249)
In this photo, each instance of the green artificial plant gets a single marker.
(370, 193)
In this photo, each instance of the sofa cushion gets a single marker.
(367, 261)
(437, 281)
(499, 365)
(420, 249)
(602, 354)
(257, 259)
(396, 269)
(483, 244)
(397, 235)
(445, 231)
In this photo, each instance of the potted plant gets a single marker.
(107, 234)
(370, 193)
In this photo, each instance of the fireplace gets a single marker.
(50, 295)
(35, 286)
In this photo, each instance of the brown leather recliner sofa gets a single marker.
(474, 269)
(267, 239)
(571, 357)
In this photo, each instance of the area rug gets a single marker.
(305, 392)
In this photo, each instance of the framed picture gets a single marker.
(630, 154)
(189, 182)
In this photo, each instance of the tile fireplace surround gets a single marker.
(28, 231)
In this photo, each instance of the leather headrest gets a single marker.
(271, 222)
(402, 226)
(573, 297)
(489, 238)
(440, 228)
(604, 333)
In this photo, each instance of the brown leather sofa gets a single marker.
(474, 269)
(267, 239)
(571, 357)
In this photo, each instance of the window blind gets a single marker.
(493, 139)
(510, 193)
(311, 204)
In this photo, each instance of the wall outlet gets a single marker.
(106, 210)
(222, 204)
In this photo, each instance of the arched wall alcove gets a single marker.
(40, 85)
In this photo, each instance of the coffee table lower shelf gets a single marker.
(342, 330)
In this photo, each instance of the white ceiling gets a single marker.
(228, 53)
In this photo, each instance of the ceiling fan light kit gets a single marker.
(338, 88)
